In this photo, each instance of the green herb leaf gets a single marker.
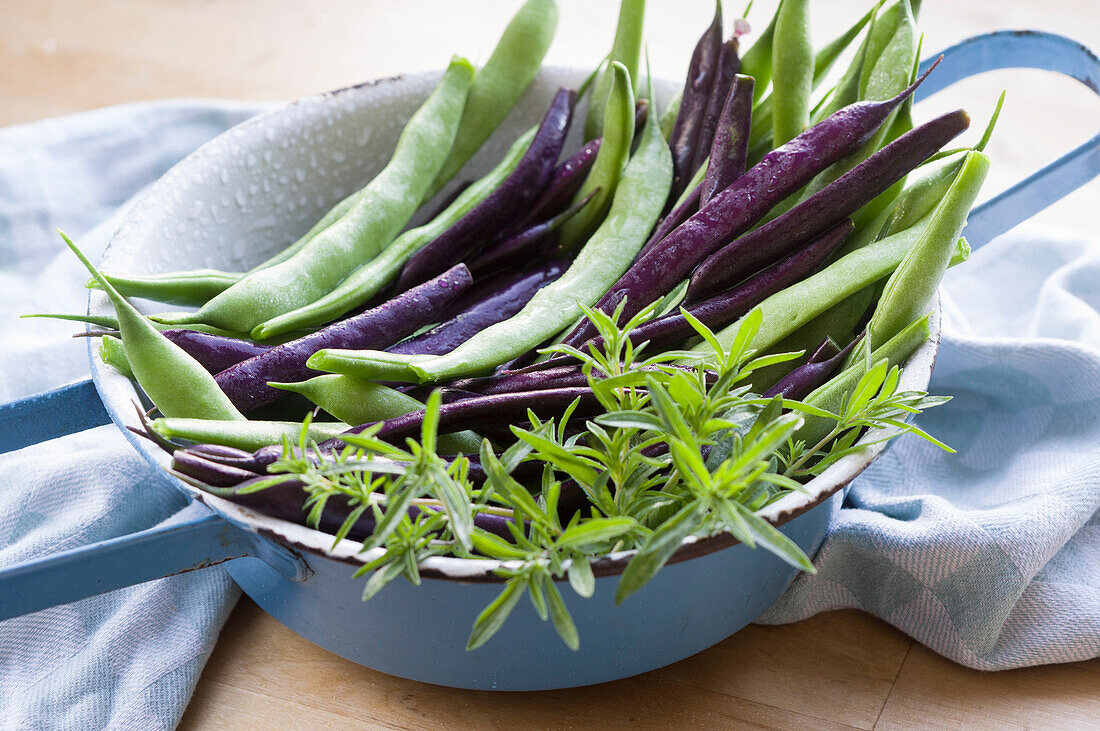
(595, 531)
(563, 621)
(658, 549)
(772, 540)
(581, 577)
(492, 617)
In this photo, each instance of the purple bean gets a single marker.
(730, 148)
(495, 410)
(498, 299)
(215, 352)
(730, 213)
(693, 105)
(564, 184)
(565, 376)
(228, 469)
(724, 308)
(823, 352)
(515, 194)
(212, 451)
(823, 209)
(729, 63)
(801, 382)
(210, 471)
(523, 246)
(246, 382)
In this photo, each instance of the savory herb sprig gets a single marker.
(677, 452)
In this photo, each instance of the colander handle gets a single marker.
(192, 539)
(49, 415)
(1022, 49)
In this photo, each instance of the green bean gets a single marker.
(192, 287)
(249, 435)
(110, 322)
(912, 286)
(362, 402)
(113, 353)
(198, 286)
(793, 71)
(832, 395)
(381, 209)
(618, 133)
(885, 72)
(173, 380)
(627, 50)
(901, 124)
(500, 82)
(367, 364)
(888, 70)
(838, 323)
(369, 279)
(790, 309)
(891, 41)
(757, 61)
(668, 119)
(638, 202)
(824, 59)
(847, 89)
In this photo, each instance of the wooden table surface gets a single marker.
(837, 669)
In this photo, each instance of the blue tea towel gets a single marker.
(990, 556)
(128, 659)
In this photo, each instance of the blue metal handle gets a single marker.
(198, 539)
(49, 415)
(1022, 49)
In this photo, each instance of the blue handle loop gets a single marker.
(49, 415)
(195, 539)
(1022, 49)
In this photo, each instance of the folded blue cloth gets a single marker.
(990, 556)
(130, 658)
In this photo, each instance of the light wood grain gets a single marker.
(853, 663)
(933, 692)
(842, 669)
(68, 55)
(836, 670)
(257, 655)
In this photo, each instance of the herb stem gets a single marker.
(792, 469)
